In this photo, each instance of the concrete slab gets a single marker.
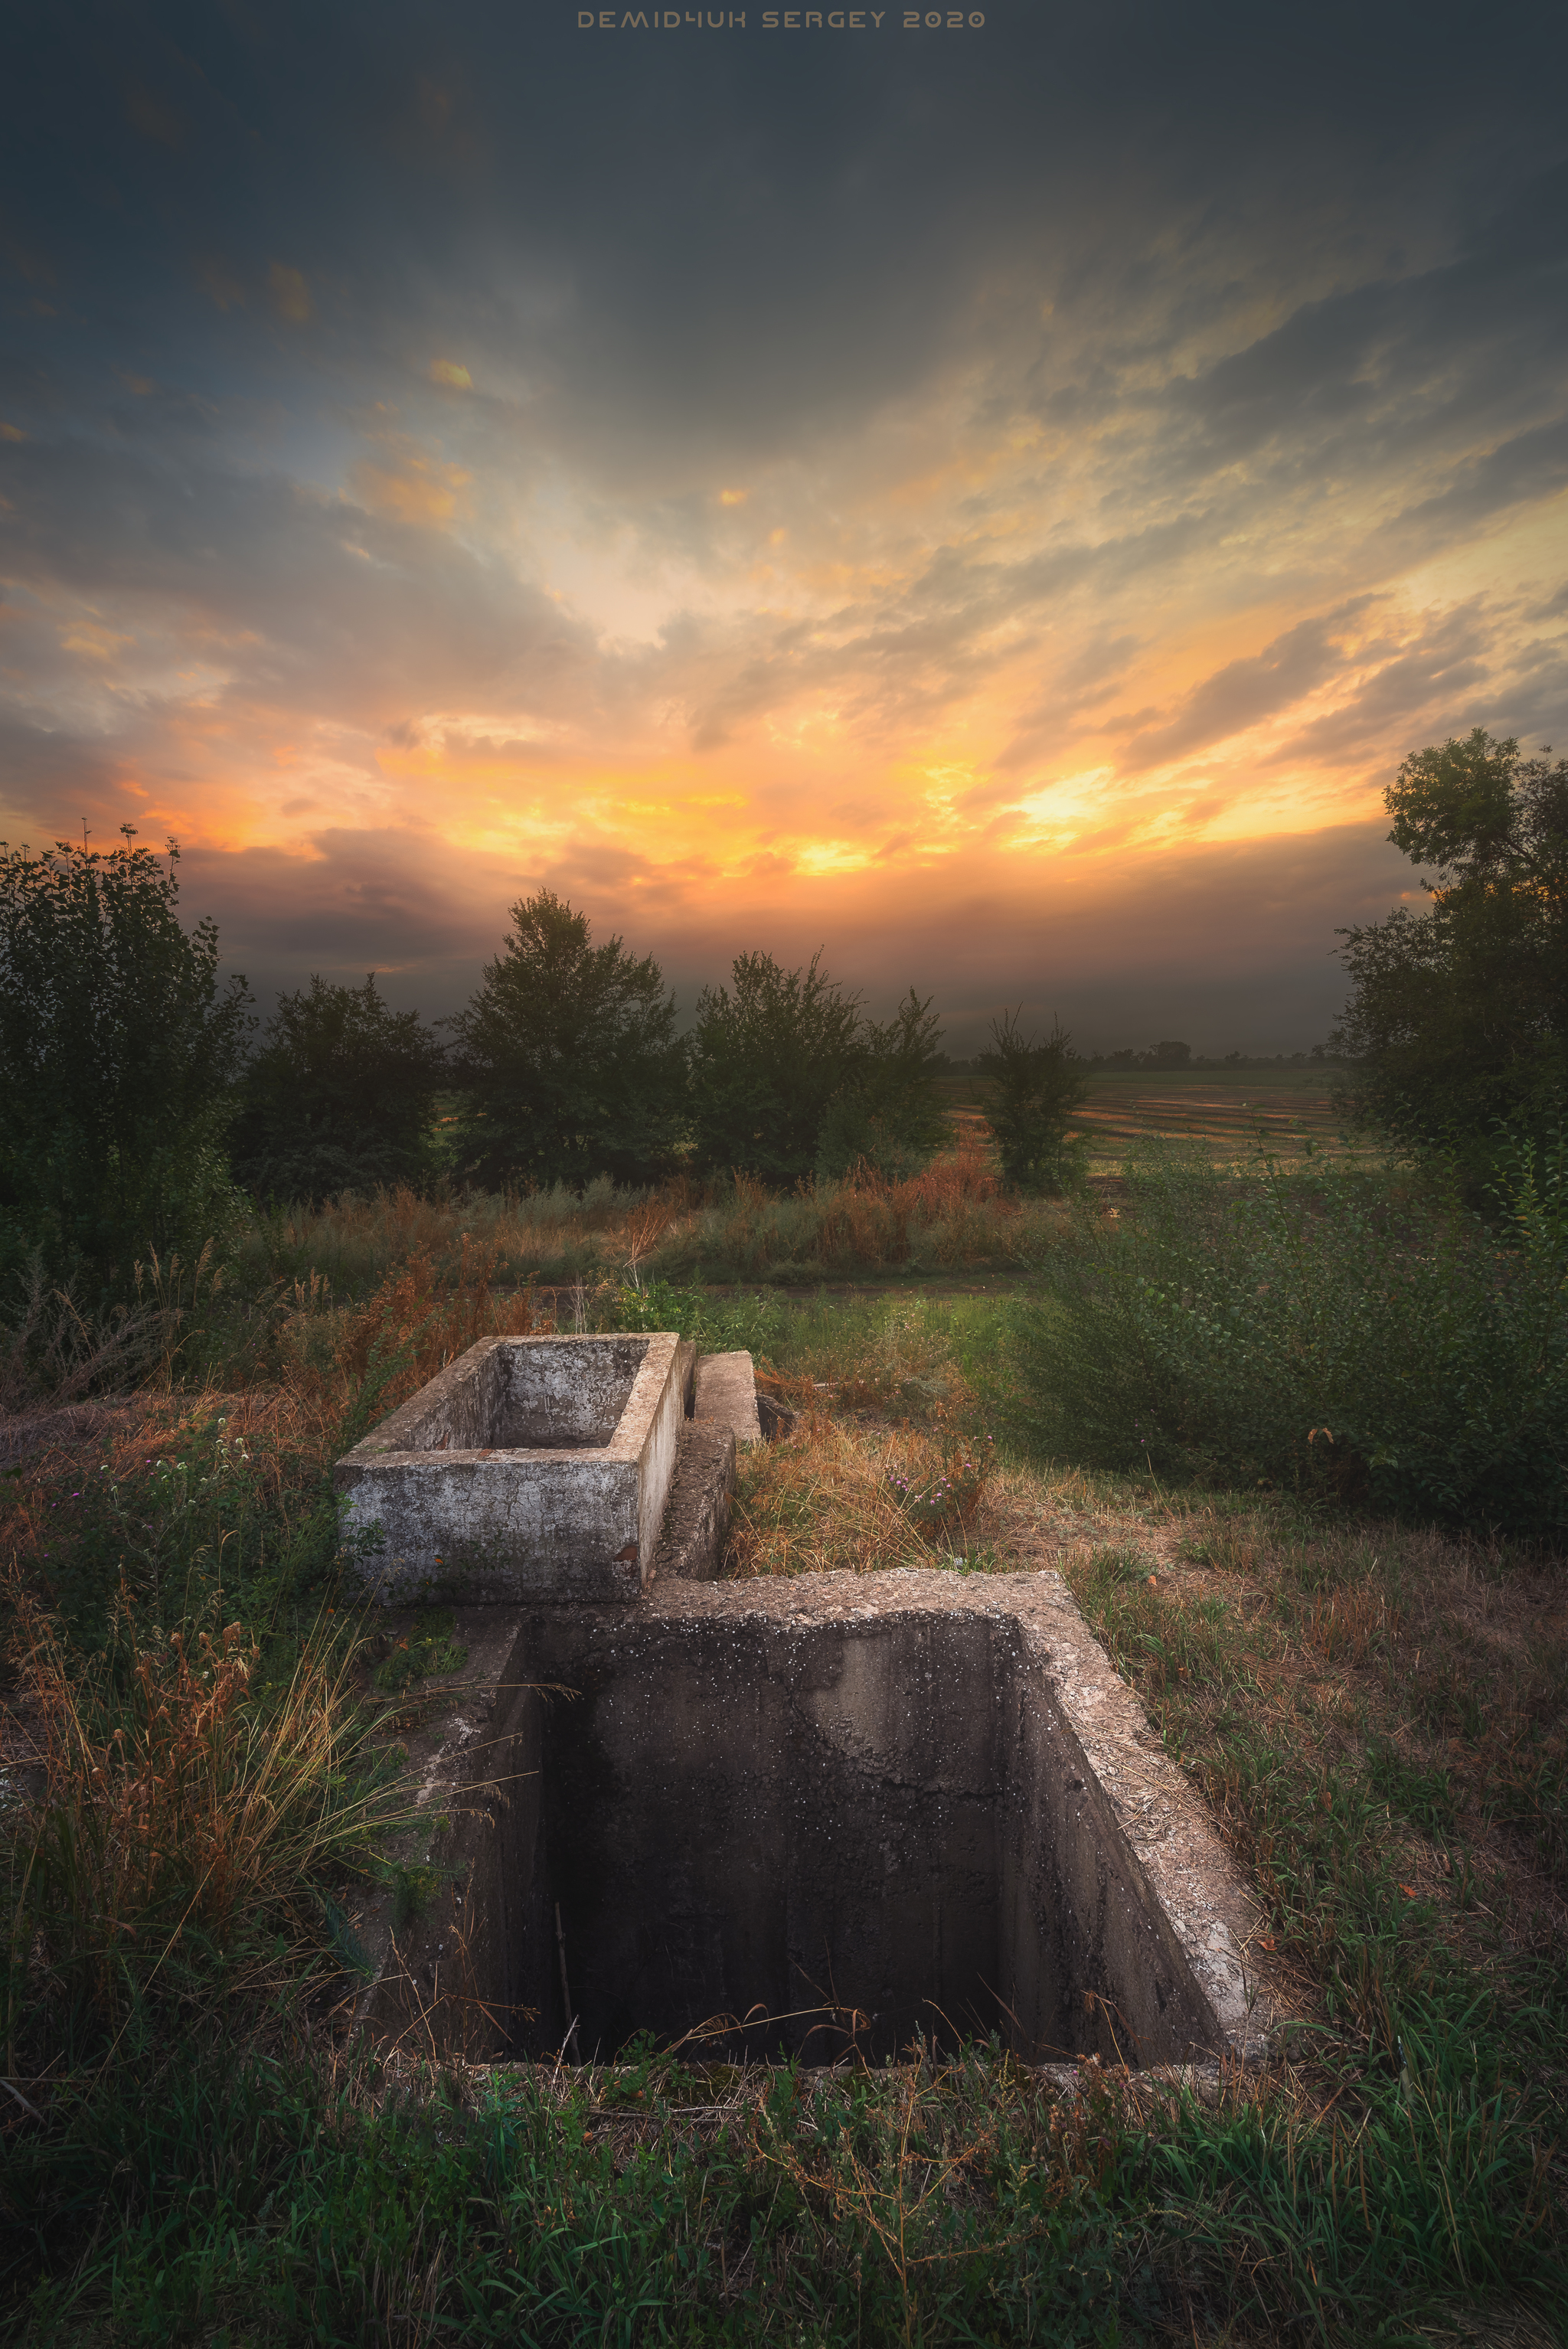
(530, 1465)
(726, 1393)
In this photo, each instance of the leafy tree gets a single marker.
(118, 1052)
(1034, 1089)
(888, 1112)
(766, 1060)
(1459, 1017)
(568, 1057)
(340, 1096)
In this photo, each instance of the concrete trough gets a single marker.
(529, 1466)
(820, 1817)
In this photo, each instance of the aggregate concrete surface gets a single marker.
(1164, 1822)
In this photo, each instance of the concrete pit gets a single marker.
(817, 1817)
(813, 1817)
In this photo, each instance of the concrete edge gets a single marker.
(725, 1391)
(1197, 1884)
(697, 1515)
(384, 1437)
(472, 1768)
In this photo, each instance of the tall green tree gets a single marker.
(769, 1055)
(1034, 1091)
(568, 1057)
(888, 1112)
(340, 1096)
(1458, 1017)
(119, 1047)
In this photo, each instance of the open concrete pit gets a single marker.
(812, 1816)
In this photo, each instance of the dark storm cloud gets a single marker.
(729, 234)
(308, 603)
(1231, 947)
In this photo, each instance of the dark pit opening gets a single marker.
(835, 1835)
(566, 1397)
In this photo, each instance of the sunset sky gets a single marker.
(996, 502)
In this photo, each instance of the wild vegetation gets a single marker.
(1375, 1711)
(1289, 1421)
(120, 1051)
(1458, 1019)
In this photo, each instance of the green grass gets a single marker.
(295, 2200)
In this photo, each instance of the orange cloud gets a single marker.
(419, 489)
(291, 295)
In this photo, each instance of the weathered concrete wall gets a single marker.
(528, 1466)
(872, 1808)
(697, 1515)
(455, 1976)
(562, 1393)
(839, 1808)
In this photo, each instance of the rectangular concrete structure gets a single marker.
(821, 1816)
(529, 1466)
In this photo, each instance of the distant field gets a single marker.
(1281, 1106)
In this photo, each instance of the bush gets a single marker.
(339, 1098)
(118, 1052)
(1034, 1091)
(1317, 1330)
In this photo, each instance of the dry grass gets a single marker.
(416, 1323)
(50, 1349)
(1377, 1705)
(832, 1498)
(953, 1214)
(179, 1840)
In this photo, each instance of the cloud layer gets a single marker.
(1000, 505)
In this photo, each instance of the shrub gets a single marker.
(1034, 1091)
(339, 1098)
(118, 1050)
(1316, 1329)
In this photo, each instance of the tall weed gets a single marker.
(1315, 1328)
(190, 1834)
(416, 1323)
(53, 1350)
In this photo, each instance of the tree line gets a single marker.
(135, 1094)
(141, 1105)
